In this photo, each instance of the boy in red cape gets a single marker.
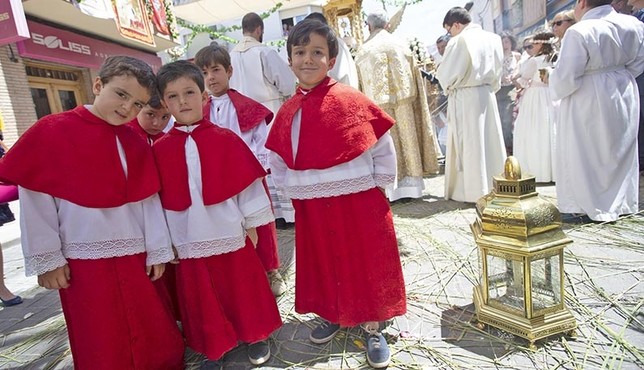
(90, 217)
(333, 156)
(249, 119)
(151, 120)
(214, 199)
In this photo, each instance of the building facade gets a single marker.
(51, 56)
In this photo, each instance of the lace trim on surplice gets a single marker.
(44, 262)
(207, 248)
(331, 189)
(104, 248)
(263, 217)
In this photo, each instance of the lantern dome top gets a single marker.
(513, 215)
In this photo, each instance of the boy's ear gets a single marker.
(290, 62)
(97, 86)
(331, 63)
(204, 96)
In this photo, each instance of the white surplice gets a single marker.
(597, 167)
(203, 231)
(470, 74)
(224, 114)
(54, 229)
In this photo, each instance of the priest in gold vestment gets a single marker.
(389, 76)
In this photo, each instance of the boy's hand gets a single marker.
(155, 271)
(55, 279)
(252, 234)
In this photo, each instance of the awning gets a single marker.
(208, 12)
(64, 13)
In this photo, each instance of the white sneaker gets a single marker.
(278, 286)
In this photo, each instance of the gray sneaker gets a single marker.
(324, 332)
(278, 286)
(211, 365)
(259, 352)
(378, 354)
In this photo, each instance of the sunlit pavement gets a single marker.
(604, 269)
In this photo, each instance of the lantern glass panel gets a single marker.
(546, 281)
(505, 282)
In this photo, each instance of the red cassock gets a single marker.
(223, 298)
(250, 114)
(347, 264)
(115, 319)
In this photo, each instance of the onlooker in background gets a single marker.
(262, 75)
(622, 6)
(534, 128)
(7, 298)
(390, 77)
(597, 172)
(506, 95)
(344, 70)
(561, 22)
(470, 74)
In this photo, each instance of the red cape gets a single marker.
(73, 156)
(338, 124)
(249, 112)
(227, 165)
(136, 126)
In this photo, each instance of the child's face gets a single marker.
(184, 100)
(119, 100)
(311, 62)
(153, 120)
(216, 78)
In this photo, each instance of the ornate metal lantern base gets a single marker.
(531, 329)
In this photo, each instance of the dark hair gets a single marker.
(250, 22)
(175, 70)
(155, 101)
(546, 39)
(513, 40)
(456, 15)
(596, 3)
(120, 65)
(318, 17)
(300, 35)
(211, 55)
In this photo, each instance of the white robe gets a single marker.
(534, 133)
(470, 74)
(261, 74)
(344, 70)
(597, 169)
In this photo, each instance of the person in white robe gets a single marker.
(262, 75)
(534, 129)
(390, 77)
(597, 169)
(470, 74)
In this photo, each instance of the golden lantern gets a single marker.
(520, 243)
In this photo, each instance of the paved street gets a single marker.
(604, 272)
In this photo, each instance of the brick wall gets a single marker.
(15, 97)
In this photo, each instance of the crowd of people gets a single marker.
(161, 227)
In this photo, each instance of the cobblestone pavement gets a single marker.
(604, 270)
